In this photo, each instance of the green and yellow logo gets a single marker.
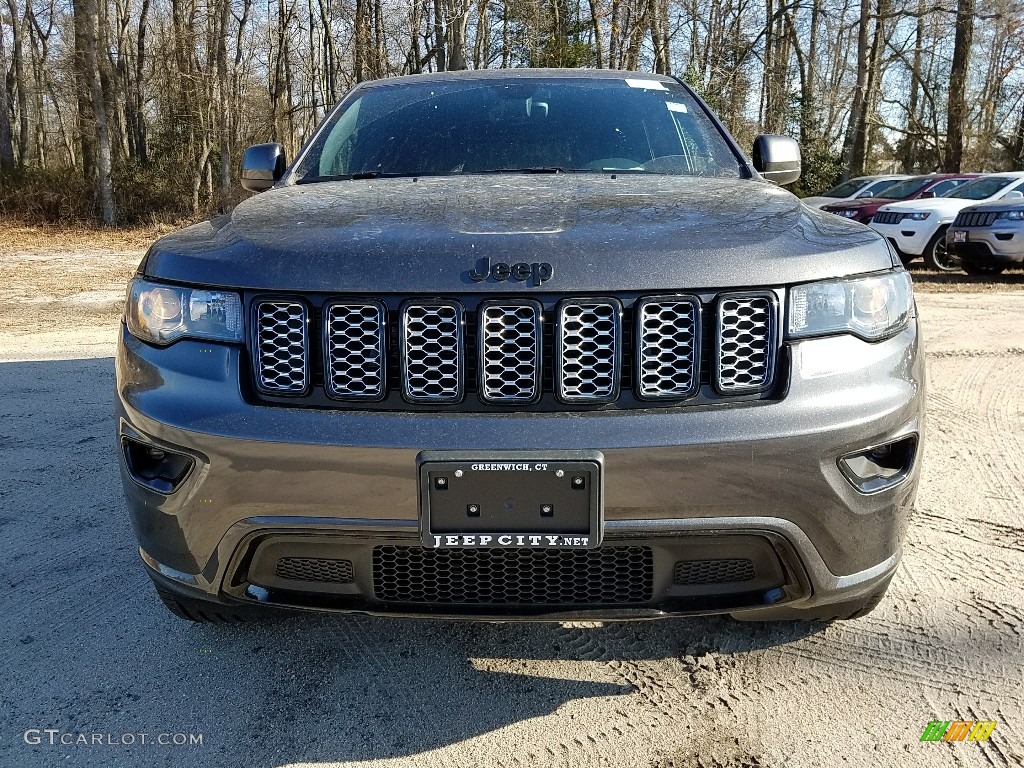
(958, 730)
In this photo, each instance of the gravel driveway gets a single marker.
(86, 649)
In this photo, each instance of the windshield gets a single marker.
(982, 188)
(903, 189)
(847, 188)
(546, 125)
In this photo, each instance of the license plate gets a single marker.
(530, 500)
(959, 237)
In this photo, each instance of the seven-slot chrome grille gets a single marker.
(974, 219)
(516, 352)
(888, 217)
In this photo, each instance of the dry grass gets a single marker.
(19, 237)
(926, 281)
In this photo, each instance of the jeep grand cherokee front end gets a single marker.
(533, 344)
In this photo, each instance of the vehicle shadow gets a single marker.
(1011, 279)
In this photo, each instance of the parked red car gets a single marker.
(933, 185)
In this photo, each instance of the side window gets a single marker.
(946, 186)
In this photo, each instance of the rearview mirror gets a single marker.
(777, 158)
(262, 166)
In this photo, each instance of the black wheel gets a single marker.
(980, 270)
(938, 257)
(203, 611)
(851, 609)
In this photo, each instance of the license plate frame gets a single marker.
(510, 490)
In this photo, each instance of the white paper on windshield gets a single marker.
(654, 85)
(676, 107)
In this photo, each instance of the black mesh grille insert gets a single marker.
(609, 575)
(315, 569)
(714, 571)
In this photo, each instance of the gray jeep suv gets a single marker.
(521, 345)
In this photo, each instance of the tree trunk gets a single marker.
(6, 137)
(956, 111)
(854, 129)
(103, 157)
(21, 87)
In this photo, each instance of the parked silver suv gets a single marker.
(989, 237)
(522, 344)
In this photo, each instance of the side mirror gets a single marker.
(927, 195)
(262, 166)
(1014, 195)
(869, 193)
(777, 158)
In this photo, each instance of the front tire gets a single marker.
(937, 256)
(202, 611)
(845, 611)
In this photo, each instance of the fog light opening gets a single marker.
(155, 468)
(881, 466)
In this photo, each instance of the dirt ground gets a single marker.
(85, 648)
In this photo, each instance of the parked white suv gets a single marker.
(918, 227)
(852, 189)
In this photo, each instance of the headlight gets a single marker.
(1011, 215)
(847, 212)
(918, 215)
(869, 307)
(161, 314)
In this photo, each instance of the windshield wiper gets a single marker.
(364, 175)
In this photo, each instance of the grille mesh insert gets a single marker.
(609, 575)
(354, 346)
(589, 340)
(713, 571)
(281, 347)
(746, 336)
(510, 352)
(315, 569)
(668, 334)
(431, 340)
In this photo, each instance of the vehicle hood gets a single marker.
(599, 233)
(868, 204)
(999, 204)
(941, 205)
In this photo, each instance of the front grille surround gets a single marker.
(433, 369)
(588, 358)
(281, 346)
(746, 332)
(509, 358)
(355, 349)
(668, 368)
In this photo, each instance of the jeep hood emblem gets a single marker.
(541, 271)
